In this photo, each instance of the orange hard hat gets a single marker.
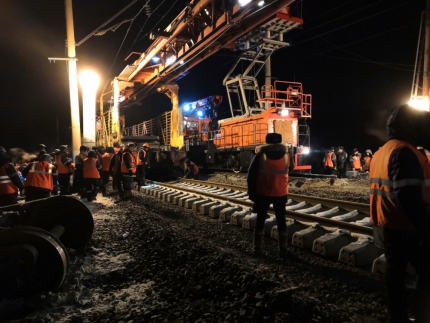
(146, 145)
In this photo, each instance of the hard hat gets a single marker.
(83, 148)
(92, 154)
(62, 147)
(47, 158)
(110, 150)
(42, 146)
(145, 145)
(131, 144)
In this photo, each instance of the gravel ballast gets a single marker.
(152, 261)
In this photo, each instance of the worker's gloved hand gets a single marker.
(335, 168)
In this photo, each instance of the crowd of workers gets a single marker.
(50, 174)
(336, 161)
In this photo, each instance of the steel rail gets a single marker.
(346, 205)
(289, 214)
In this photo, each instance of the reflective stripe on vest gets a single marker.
(272, 179)
(328, 161)
(90, 168)
(384, 209)
(6, 184)
(132, 161)
(40, 175)
(106, 159)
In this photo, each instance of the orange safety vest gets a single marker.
(272, 179)
(328, 161)
(40, 175)
(61, 168)
(6, 185)
(367, 160)
(90, 168)
(195, 169)
(106, 159)
(133, 164)
(384, 210)
(138, 160)
(356, 163)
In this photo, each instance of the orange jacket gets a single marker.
(61, 168)
(384, 210)
(90, 168)
(367, 160)
(272, 179)
(138, 160)
(356, 162)
(6, 185)
(195, 168)
(40, 175)
(328, 161)
(106, 159)
(124, 168)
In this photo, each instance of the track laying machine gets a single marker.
(256, 29)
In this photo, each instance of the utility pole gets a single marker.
(73, 80)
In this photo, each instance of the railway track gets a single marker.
(291, 176)
(331, 228)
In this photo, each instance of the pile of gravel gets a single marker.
(152, 261)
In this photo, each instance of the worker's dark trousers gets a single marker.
(117, 179)
(403, 247)
(36, 193)
(329, 170)
(105, 181)
(64, 181)
(8, 199)
(91, 188)
(78, 176)
(261, 207)
(341, 171)
(127, 181)
(140, 174)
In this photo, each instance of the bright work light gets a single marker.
(200, 113)
(244, 2)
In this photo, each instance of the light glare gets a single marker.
(306, 150)
(244, 2)
(284, 113)
(419, 103)
(261, 3)
(171, 60)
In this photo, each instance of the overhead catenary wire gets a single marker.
(105, 23)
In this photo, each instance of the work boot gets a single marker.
(95, 192)
(104, 193)
(282, 241)
(258, 240)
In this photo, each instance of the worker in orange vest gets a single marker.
(106, 161)
(330, 162)
(355, 160)
(78, 173)
(41, 178)
(128, 170)
(268, 184)
(115, 168)
(399, 209)
(190, 169)
(117, 147)
(91, 167)
(9, 181)
(367, 159)
(64, 169)
(141, 162)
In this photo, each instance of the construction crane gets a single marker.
(199, 31)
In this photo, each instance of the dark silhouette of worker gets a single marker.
(399, 201)
(190, 169)
(341, 159)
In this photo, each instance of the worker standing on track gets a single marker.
(142, 161)
(330, 161)
(341, 158)
(355, 160)
(106, 161)
(91, 175)
(268, 184)
(41, 178)
(64, 169)
(367, 159)
(190, 169)
(399, 201)
(128, 170)
(78, 174)
(115, 168)
(9, 181)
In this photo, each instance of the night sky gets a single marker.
(355, 57)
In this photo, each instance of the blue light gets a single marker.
(187, 107)
(155, 59)
(200, 113)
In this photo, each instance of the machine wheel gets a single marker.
(236, 167)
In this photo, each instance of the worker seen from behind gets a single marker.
(9, 181)
(190, 169)
(128, 170)
(142, 161)
(330, 161)
(91, 175)
(355, 160)
(106, 161)
(64, 169)
(268, 184)
(399, 204)
(341, 159)
(115, 168)
(78, 173)
(367, 159)
(41, 178)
